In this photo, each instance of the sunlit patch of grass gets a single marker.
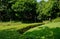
(15, 25)
(47, 31)
(8, 30)
(50, 25)
(57, 19)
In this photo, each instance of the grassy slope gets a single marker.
(8, 30)
(57, 19)
(50, 25)
(14, 25)
(47, 31)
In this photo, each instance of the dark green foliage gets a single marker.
(49, 10)
(29, 10)
(43, 33)
(9, 34)
(40, 6)
(6, 10)
(25, 9)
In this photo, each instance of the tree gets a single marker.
(5, 9)
(53, 11)
(26, 9)
(48, 10)
(40, 6)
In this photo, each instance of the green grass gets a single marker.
(50, 25)
(14, 25)
(57, 19)
(50, 30)
(8, 30)
(47, 31)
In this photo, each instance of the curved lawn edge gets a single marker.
(47, 31)
(49, 25)
(23, 30)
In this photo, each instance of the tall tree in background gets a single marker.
(40, 6)
(51, 9)
(29, 10)
(54, 9)
(25, 9)
(5, 9)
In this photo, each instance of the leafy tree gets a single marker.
(41, 5)
(26, 9)
(52, 8)
(5, 9)
(29, 10)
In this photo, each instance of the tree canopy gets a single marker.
(29, 10)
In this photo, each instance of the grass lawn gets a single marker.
(14, 25)
(50, 25)
(8, 30)
(50, 30)
(47, 31)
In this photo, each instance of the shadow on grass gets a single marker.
(21, 31)
(9, 34)
(31, 21)
(42, 33)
